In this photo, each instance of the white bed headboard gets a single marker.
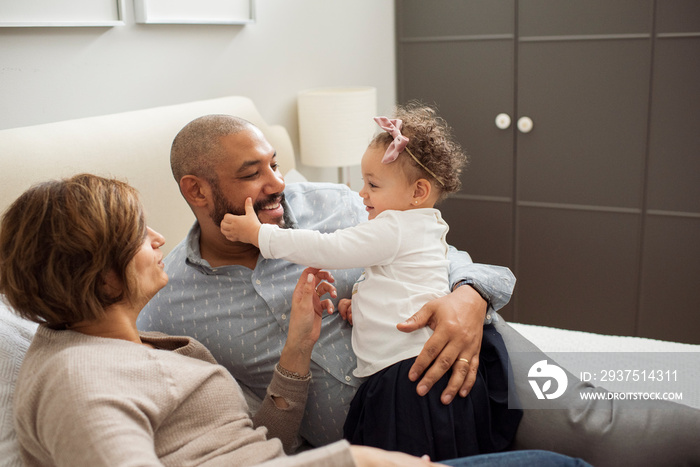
(132, 146)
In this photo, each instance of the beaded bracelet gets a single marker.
(293, 374)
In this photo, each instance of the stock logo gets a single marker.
(542, 374)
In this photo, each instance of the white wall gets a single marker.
(52, 74)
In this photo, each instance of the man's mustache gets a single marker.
(272, 199)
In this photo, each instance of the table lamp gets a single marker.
(335, 126)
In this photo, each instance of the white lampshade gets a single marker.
(336, 125)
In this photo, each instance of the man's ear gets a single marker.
(422, 189)
(195, 190)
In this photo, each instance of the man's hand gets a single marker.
(242, 228)
(457, 320)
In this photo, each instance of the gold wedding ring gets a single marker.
(464, 360)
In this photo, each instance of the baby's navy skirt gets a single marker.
(388, 413)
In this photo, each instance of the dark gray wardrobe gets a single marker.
(591, 193)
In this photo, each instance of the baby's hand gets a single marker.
(242, 228)
(345, 309)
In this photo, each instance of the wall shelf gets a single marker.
(232, 12)
(48, 13)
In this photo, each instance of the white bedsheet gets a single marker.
(579, 351)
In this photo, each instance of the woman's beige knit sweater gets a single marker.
(91, 401)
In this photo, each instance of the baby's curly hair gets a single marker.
(432, 142)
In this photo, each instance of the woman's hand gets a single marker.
(366, 456)
(242, 228)
(458, 322)
(305, 318)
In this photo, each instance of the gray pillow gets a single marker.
(15, 335)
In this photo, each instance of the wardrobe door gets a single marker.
(670, 296)
(583, 83)
(459, 56)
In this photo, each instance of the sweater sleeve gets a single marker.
(283, 423)
(494, 283)
(371, 243)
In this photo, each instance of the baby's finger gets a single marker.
(343, 307)
(249, 210)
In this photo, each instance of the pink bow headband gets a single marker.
(393, 127)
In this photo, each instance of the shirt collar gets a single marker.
(194, 255)
(289, 217)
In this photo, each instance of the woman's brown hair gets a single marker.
(60, 239)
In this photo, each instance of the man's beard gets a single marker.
(223, 207)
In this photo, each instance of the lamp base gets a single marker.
(344, 175)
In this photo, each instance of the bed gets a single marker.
(134, 146)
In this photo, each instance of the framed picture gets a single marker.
(66, 13)
(194, 11)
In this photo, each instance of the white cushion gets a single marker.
(294, 176)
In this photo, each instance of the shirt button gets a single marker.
(488, 316)
(347, 378)
(257, 281)
(284, 316)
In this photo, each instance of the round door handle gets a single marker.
(502, 121)
(525, 124)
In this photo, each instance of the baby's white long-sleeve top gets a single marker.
(404, 254)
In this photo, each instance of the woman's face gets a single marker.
(146, 268)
